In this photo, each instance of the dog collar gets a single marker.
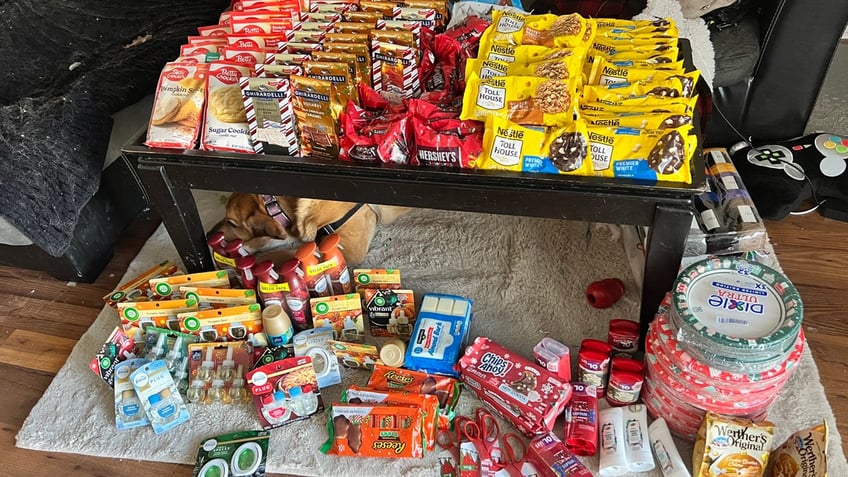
(331, 228)
(273, 208)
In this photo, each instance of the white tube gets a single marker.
(611, 428)
(636, 447)
(663, 446)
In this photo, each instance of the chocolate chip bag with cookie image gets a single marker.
(178, 106)
(647, 154)
(514, 147)
(527, 100)
(270, 118)
(512, 28)
(662, 84)
(225, 127)
(636, 120)
(317, 108)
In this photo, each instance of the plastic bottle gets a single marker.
(274, 408)
(277, 325)
(296, 300)
(228, 367)
(266, 279)
(164, 408)
(197, 391)
(173, 358)
(331, 250)
(303, 401)
(244, 269)
(581, 420)
(237, 390)
(206, 373)
(216, 242)
(593, 361)
(217, 393)
(158, 350)
(625, 381)
(129, 407)
(316, 281)
(235, 249)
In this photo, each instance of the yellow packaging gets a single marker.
(137, 288)
(525, 53)
(339, 74)
(507, 28)
(648, 154)
(604, 71)
(731, 446)
(363, 57)
(560, 68)
(343, 313)
(804, 454)
(379, 278)
(167, 286)
(236, 323)
(511, 28)
(645, 104)
(513, 147)
(317, 107)
(671, 86)
(218, 297)
(649, 26)
(159, 314)
(521, 99)
(620, 51)
(637, 120)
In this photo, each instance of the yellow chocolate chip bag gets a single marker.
(521, 99)
(731, 446)
(604, 71)
(672, 86)
(648, 154)
(804, 454)
(636, 120)
(513, 147)
(647, 104)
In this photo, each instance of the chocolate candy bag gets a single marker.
(375, 430)
(445, 388)
(428, 403)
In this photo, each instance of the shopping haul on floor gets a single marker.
(501, 89)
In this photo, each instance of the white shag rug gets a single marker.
(527, 278)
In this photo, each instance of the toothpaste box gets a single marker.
(524, 393)
(439, 336)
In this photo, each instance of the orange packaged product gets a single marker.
(445, 388)
(381, 430)
(178, 107)
(363, 17)
(347, 37)
(236, 323)
(388, 10)
(315, 277)
(159, 314)
(352, 27)
(341, 312)
(138, 288)
(167, 286)
(428, 404)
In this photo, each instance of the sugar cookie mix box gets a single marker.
(178, 107)
(445, 388)
(138, 288)
(375, 430)
(225, 324)
(527, 395)
(238, 453)
(167, 286)
(439, 336)
(390, 312)
(285, 391)
(343, 313)
(225, 125)
(159, 396)
(160, 314)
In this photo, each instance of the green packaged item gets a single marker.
(239, 453)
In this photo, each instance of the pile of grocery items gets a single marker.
(375, 82)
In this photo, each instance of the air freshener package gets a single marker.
(237, 454)
(217, 372)
(236, 323)
(159, 314)
(285, 391)
(172, 346)
(118, 347)
(159, 396)
(128, 410)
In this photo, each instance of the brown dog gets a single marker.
(247, 218)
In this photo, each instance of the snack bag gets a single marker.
(352, 27)
(635, 82)
(337, 73)
(641, 105)
(636, 120)
(661, 52)
(446, 143)
(445, 388)
(425, 16)
(395, 70)
(510, 146)
(650, 154)
(731, 446)
(363, 57)
(178, 107)
(225, 128)
(317, 107)
(606, 71)
(347, 58)
(376, 430)
(804, 454)
(301, 48)
(386, 10)
(650, 26)
(270, 115)
(428, 404)
(520, 99)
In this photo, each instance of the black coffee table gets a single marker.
(169, 175)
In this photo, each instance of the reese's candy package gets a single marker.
(225, 127)
(804, 454)
(178, 107)
(316, 106)
(428, 404)
(649, 154)
(375, 430)
(520, 99)
(443, 387)
(513, 147)
(270, 119)
(719, 452)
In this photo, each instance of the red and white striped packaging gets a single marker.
(270, 118)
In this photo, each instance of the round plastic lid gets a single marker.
(288, 267)
(329, 243)
(263, 268)
(246, 262)
(306, 253)
(155, 399)
(279, 395)
(234, 245)
(272, 311)
(295, 392)
(214, 238)
(392, 354)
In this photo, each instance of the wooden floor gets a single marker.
(41, 319)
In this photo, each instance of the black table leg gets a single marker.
(666, 240)
(176, 207)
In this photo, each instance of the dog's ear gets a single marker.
(305, 223)
(263, 224)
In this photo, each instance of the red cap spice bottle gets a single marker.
(296, 299)
(244, 268)
(331, 254)
(316, 279)
(266, 286)
(593, 364)
(625, 381)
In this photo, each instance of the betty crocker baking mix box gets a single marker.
(524, 393)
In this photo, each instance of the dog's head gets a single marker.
(246, 218)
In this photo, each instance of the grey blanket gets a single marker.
(69, 65)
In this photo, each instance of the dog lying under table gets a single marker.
(259, 219)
